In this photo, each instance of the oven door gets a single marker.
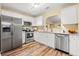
(29, 35)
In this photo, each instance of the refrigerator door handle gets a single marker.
(11, 30)
(11, 33)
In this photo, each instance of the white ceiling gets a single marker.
(28, 8)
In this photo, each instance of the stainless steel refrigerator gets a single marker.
(11, 33)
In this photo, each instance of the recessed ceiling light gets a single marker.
(35, 5)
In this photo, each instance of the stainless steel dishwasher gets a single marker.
(62, 42)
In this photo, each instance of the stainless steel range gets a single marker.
(28, 32)
(29, 37)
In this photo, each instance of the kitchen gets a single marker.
(54, 28)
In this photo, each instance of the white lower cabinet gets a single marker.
(49, 40)
(45, 38)
(77, 45)
(74, 45)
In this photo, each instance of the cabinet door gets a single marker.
(78, 18)
(77, 45)
(51, 40)
(39, 21)
(69, 15)
(36, 35)
(43, 38)
(73, 45)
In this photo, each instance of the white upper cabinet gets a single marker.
(31, 19)
(78, 18)
(34, 22)
(69, 15)
(38, 21)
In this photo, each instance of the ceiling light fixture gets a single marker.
(35, 5)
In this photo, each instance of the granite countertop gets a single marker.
(50, 32)
(58, 33)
